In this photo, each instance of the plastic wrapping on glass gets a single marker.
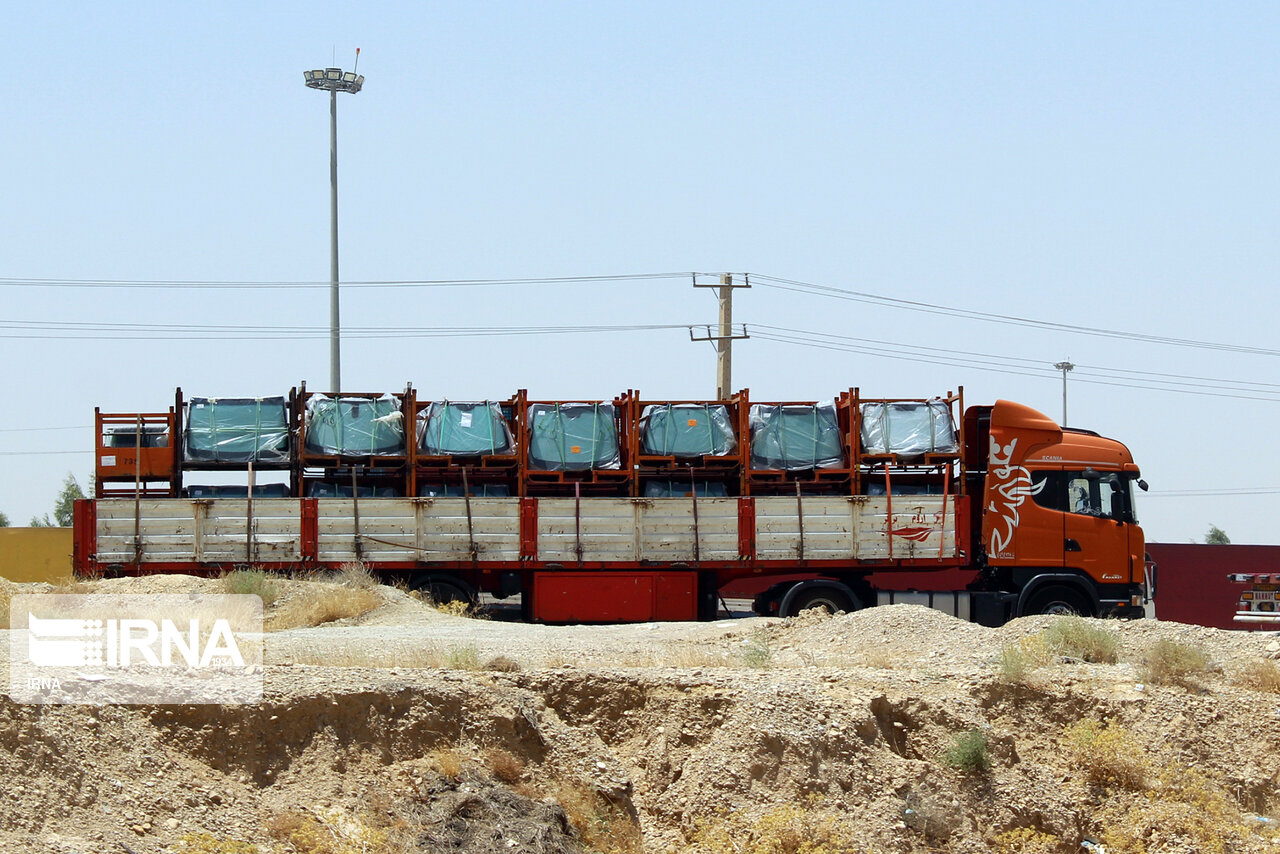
(265, 490)
(464, 429)
(321, 489)
(909, 429)
(478, 490)
(684, 489)
(153, 436)
(573, 437)
(794, 437)
(236, 430)
(355, 426)
(687, 430)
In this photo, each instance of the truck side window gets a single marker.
(1047, 490)
(1099, 495)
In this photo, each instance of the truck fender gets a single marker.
(1064, 579)
(838, 587)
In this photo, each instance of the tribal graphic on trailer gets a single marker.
(1011, 486)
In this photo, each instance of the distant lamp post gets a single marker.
(333, 81)
(1065, 367)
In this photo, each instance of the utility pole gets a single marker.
(724, 337)
(1064, 367)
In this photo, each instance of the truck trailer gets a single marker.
(632, 509)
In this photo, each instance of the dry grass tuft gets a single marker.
(784, 829)
(1260, 674)
(502, 664)
(6, 595)
(1085, 640)
(463, 658)
(448, 761)
(1108, 754)
(253, 582)
(1026, 840)
(1169, 662)
(322, 604)
(505, 765)
(1018, 661)
(356, 576)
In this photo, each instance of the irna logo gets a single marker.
(62, 642)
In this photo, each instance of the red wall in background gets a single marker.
(1192, 585)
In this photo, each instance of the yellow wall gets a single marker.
(35, 554)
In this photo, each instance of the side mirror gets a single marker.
(1142, 484)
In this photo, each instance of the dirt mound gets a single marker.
(894, 729)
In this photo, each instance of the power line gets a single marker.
(814, 289)
(211, 284)
(66, 330)
(983, 362)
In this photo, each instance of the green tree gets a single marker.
(4, 520)
(63, 508)
(1217, 537)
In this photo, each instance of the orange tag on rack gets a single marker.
(576, 449)
(693, 422)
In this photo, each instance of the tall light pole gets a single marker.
(1064, 367)
(333, 81)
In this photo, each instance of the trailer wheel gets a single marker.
(827, 598)
(442, 591)
(1060, 600)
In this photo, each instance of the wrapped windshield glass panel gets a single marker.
(687, 430)
(321, 489)
(152, 436)
(355, 426)
(236, 430)
(464, 429)
(684, 489)
(573, 437)
(266, 490)
(911, 428)
(478, 490)
(795, 436)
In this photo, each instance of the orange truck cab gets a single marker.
(1058, 527)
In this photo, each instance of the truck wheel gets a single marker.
(1060, 600)
(442, 591)
(829, 599)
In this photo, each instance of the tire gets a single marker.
(1059, 600)
(828, 598)
(442, 591)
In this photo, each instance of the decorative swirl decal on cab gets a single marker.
(1010, 487)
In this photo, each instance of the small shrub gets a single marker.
(1260, 674)
(1186, 811)
(207, 843)
(756, 651)
(464, 658)
(505, 765)
(1026, 840)
(253, 582)
(968, 752)
(453, 608)
(603, 825)
(784, 829)
(1169, 662)
(1108, 754)
(502, 664)
(1019, 660)
(1076, 637)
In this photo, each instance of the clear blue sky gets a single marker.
(1091, 164)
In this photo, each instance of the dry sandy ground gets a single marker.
(386, 732)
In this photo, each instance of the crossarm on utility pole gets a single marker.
(724, 338)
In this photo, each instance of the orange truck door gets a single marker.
(1097, 540)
